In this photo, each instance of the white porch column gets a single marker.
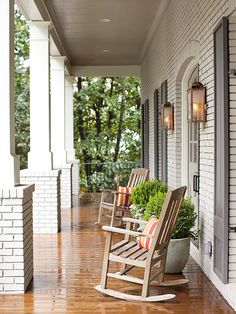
(69, 102)
(70, 152)
(9, 162)
(40, 157)
(58, 111)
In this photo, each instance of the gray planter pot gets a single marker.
(177, 255)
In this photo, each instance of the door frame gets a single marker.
(185, 135)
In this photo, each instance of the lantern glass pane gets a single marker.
(167, 117)
(198, 104)
(189, 99)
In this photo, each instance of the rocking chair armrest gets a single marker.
(136, 221)
(117, 193)
(125, 231)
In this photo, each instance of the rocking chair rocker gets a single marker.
(130, 255)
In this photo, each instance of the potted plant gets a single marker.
(179, 247)
(141, 195)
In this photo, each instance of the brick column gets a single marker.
(46, 200)
(16, 239)
(75, 177)
(66, 185)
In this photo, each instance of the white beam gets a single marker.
(69, 119)
(58, 111)
(40, 157)
(9, 162)
(112, 71)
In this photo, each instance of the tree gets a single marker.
(107, 124)
(22, 94)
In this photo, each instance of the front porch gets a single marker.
(67, 267)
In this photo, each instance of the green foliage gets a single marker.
(110, 175)
(186, 218)
(22, 94)
(148, 199)
(144, 191)
(186, 221)
(107, 127)
(154, 205)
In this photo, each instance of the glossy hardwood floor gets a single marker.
(67, 267)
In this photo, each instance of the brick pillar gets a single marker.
(16, 239)
(75, 177)
(66, 186)
(46, 199)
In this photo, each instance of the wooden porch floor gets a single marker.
(67, 267)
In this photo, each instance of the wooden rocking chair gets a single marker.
(130, 255)
(137, 176)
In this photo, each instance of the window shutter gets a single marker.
(156, 134)
(221, 197)
(145, 134)
(142, 133)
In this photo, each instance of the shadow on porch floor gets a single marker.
(67, 266)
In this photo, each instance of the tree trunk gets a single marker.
(82, 133)
(121, 120)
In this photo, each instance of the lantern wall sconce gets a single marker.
(167, 116)
(197, 103)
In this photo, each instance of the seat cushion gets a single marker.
(123, 196)
(150, 228)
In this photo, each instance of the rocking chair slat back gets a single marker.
(167, 219)
(137, 176)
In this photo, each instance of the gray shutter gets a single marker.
(146, 134)
(221, 198)
(156, 135)
(142, 133)
(164, 137)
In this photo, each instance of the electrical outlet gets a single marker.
(209, 243)
(208, 248)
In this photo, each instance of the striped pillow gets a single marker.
(150, 228)
(123, 196)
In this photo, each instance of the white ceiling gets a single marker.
(85, 37)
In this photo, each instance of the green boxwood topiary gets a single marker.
(141, 194)
(186, 218)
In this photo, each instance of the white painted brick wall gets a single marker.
(46, 200)
(16, 239)
(186, 25)
(66, 185)
(75, 177)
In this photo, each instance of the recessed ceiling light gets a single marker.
(105, 50)
(105, 20)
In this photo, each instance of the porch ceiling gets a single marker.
(86, 38)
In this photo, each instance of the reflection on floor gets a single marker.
(67, 266)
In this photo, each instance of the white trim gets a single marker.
(184, 87)
(126, 70)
